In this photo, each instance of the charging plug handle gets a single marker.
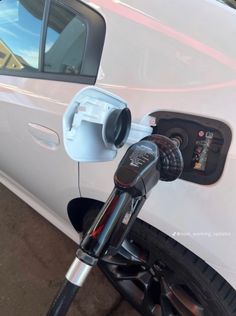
(138, 171)
(153, 158)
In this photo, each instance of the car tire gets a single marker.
(183, 284)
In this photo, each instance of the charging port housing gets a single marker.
(204, 143)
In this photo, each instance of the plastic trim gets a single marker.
(43, 34)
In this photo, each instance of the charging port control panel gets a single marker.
(204, 143)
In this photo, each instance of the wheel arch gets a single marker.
(77, 208)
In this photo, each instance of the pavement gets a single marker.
(34, 256)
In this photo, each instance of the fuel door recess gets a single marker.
(204, 143)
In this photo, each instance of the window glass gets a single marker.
(231, 3)
(20, 26)
(65, 43)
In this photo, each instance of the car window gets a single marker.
(20, 26)
(230, 3)
(65, 41)
(51, 39)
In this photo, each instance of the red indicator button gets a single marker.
(201, 133)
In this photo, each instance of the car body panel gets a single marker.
(36, 167)
(200, 217)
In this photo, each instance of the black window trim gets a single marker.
(96, 29)
(43, 34)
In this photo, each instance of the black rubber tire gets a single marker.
(216, 295)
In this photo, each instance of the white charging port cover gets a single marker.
(95, 124)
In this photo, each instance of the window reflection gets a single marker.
(20, 26)
(66, 37)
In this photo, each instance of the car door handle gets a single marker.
(44, 136)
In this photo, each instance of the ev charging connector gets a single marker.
(153, 158)
(95, 125)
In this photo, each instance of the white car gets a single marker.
(173, 62)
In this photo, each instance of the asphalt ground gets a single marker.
(34, 256)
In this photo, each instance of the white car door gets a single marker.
(43, 44)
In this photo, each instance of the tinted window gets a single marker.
(65, 43)
(20, 26)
